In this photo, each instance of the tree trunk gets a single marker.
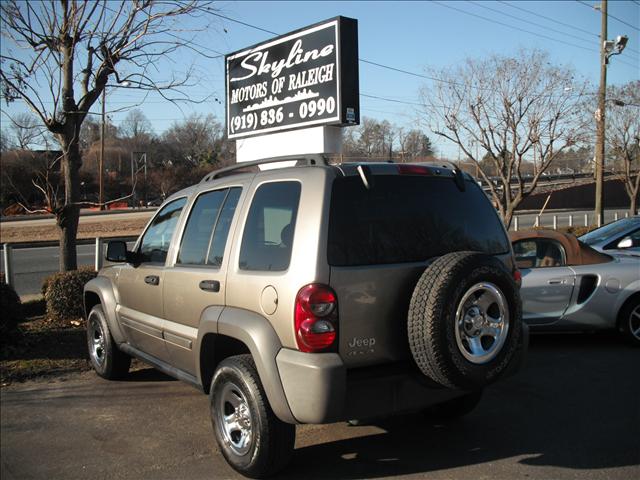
(68, 214)
(633, 206)
(67, 220)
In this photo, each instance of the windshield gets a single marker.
(611, 230)
(406, 218)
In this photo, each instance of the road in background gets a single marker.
(572, 413)
(86, 218)
(32, 265)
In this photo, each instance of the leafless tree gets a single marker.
(516, 109)
(623, 136)
(136, 125)
(195, 140)
(58, 56)
(413, 144)
(28, 131)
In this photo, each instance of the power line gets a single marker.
(527, 21)
(380, 65)
(519, 29)
(513, 27)
(531, 12)
(243, 23)
(609, 15)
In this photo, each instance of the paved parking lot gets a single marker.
(574, 412)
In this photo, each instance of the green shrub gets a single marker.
(63, 293)
(10, 311)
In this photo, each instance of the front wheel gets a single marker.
(252, 439)
(106, 359)
(629, 321)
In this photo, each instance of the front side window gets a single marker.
(156, 240)
(268, 233)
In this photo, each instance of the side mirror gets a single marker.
(626, 242)
(116, 251)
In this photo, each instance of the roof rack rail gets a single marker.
(307, 159)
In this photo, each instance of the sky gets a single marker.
(411, 36)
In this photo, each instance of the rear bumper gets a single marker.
(319, 388)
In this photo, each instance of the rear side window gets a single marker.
(268, 233)
(409, 219)
(205, 234)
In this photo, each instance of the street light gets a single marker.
(608, 48)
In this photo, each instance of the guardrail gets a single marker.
(560, 220)
(8, 255)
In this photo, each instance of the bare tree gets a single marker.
(516, 109)
(413, 144)
(5, 140)
(195, 140)
(58, 56)
(623, 136)
(136, 125)
(28, 132)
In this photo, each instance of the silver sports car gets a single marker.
(568, 285)
(621, 236)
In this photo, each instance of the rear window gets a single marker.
(409, 219)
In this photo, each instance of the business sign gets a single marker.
(304, 78)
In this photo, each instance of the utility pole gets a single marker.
(600, 116)
(101, 162)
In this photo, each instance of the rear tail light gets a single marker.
(517, 276)
(316, 318)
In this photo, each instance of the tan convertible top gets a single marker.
(578, 253)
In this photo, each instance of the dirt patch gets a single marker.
(42, 348)
(35, 233)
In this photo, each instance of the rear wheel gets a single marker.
(629, 320)
(464, 321)
(105, 357)
(252, 439)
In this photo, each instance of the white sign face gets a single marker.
(294, 81)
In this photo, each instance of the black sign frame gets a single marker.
(257, 103)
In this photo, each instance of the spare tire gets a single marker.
(465, 320)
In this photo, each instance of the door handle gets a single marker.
(210, 285)
(557, 281)
(152, 279)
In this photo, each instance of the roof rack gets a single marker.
(302, 160)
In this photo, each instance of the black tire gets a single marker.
(629, 320)
(257, 444)
(106, 358)
(442, 348)
(455, 408)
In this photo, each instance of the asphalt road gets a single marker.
(32, 265)
(84, 218)
(572, 413)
